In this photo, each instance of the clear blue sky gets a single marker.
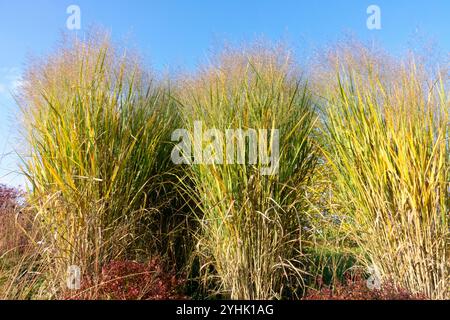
(180, 33)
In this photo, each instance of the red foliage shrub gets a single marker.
(8, 198)
(11, 236)
(130, 280)
(355, 288)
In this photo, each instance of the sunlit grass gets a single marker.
(362, 180)
(388, 147)
(98, 128)
(251, 224)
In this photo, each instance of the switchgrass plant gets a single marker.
(387, 144)
(98, 130)
(251, 226)
(366, 176)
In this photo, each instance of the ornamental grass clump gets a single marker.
(97, 127)
(387, 142)
(251, 219)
